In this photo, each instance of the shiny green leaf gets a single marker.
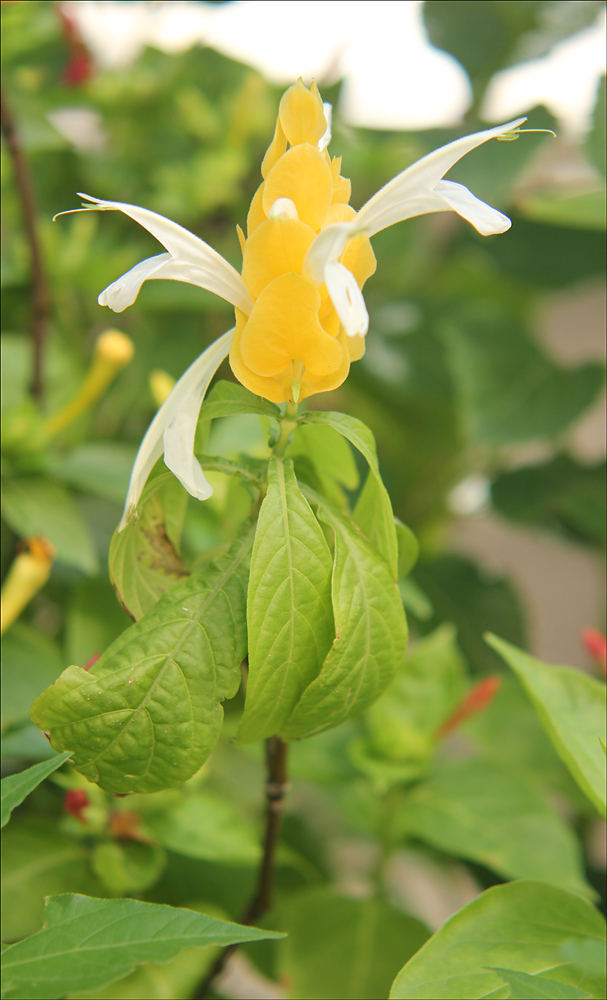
(16, 787)
(87, 943)
(144, 558)
(373, 512)
(521, 924)
(229, 398)
(289, 605)
(526, 987)
(371, 635)
(148, 714)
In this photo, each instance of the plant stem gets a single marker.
(287, 426)
(40, 296)
(276, 790)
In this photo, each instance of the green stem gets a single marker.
(288, 424)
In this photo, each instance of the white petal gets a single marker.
(347, 298)
(325, 138)
(123, 292)
(410, 192)
(179, 411)
(485, 219)
(219, 276)
(283, 208)
(328, 245)
(179, 435)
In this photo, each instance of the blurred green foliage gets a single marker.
(453, 381)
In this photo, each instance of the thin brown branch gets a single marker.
(276, 791)
(40, 296)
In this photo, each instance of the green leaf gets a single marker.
(373, 512)
(462, 593)
(144, 558)
(427, 688)
(328, 451)
(94, 620)
(546, 256)
(561, 496)
(414, 599)
(228, 398)
(30, 662)
(488, 813)
(509, 390)
(250, 472)
(17, 787)
(571, 707)
(408, 548)
(371, 635)
(207, 826)
(344, 948)
(289, 605)
(521, 924)
(102, 468)
(587, 955)
(33, 505)
(127, 867)
(526, 987)
(37, 860)
(595, 141)
(149, 715)
(87, 943)
(583, 211)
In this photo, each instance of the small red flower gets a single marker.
(74, 802)
(481, 695)
(596, 647)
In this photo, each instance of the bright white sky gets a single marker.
(393, 77)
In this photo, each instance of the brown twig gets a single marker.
(276, 790)
(40, 296)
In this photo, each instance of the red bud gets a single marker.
(481, 695)
(596, 646)
(74, 802)
(93, 659)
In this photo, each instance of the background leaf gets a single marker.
(33, 505)
(490, 814)
(345, 948)
(571, 707)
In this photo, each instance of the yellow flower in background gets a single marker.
(301, 318)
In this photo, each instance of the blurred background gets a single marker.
(483, 379)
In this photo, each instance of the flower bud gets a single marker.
(29, 572)
(113, 350)
(161, 384)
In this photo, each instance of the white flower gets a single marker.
(418, 190)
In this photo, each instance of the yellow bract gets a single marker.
(292, 344)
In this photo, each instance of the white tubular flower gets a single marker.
(189, 259)
(173, 430)
(321, 265)
(420, 189)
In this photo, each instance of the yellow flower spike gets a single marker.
(284, 327)
(28, 574)
(113, 350)
(304, 176)
(300, 313)
(161, 385)
(301, 114)
(276, 247)
(256, 214)
(277, 147)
